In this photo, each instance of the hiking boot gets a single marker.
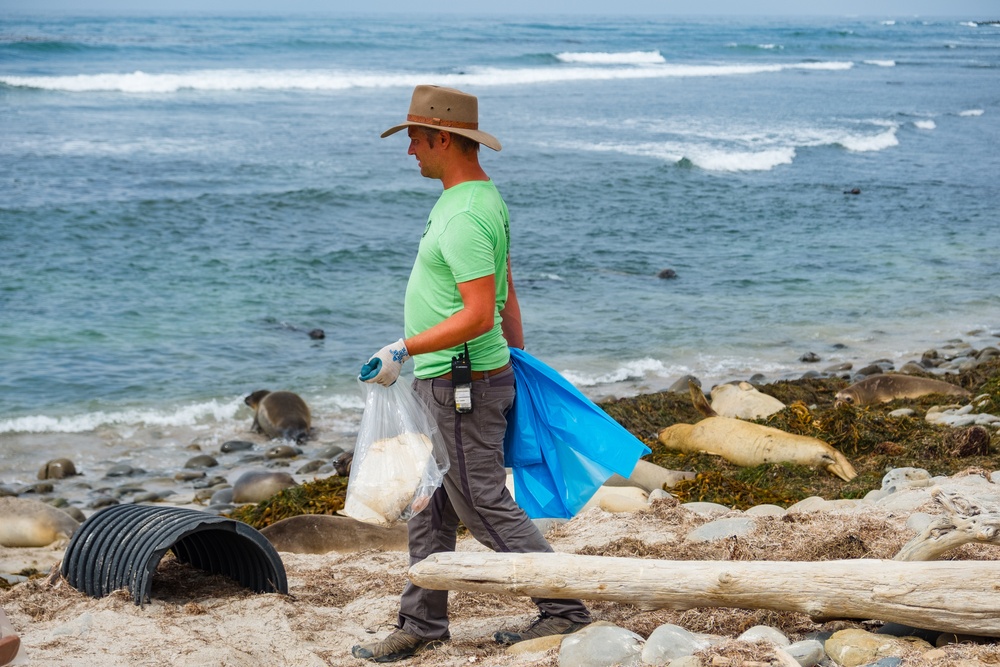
(543, 626)
(397, 646)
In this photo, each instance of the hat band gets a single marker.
(442, 123)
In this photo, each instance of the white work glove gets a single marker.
(384, 365)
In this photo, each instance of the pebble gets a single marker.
(807, 653)
(601, 645)
(765, 510)
(201, 461)
(235, 446)
(721, 529)
(57, 469)
(706, 509)
(764, 633)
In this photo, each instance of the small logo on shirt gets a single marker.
(427, 228)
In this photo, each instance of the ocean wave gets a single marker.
(331, 80)
(924, 124)
(971, 112)
(620, 58)
(881, 63)
(864, 143)
(185, 415)
(629, 371)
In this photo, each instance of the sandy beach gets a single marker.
(336, 600)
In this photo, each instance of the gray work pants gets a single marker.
(475, 492)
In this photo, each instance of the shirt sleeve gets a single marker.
(468, 247)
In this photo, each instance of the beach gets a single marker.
(336, 600)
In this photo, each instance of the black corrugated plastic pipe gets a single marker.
(120, 547)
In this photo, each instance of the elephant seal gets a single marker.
(323, 533)
(256, 486)
(743, 401)
(747, 444)
(280, 414)
(57, 469)
(890, 386)
(32, 523)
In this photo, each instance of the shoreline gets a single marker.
(129, 459)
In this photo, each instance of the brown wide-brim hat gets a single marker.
(446, 109)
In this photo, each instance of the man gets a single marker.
(460, 293)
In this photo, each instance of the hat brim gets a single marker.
(478, 136)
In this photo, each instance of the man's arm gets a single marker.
(511, 315)
(473, 320)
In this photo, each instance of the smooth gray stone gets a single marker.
(201, 461)
(222, 496)
(601, 646)
(765, 633)
(189, 475)
(807, 652)
(669, 642)
(722, 529)
(311, 466)
(235, 446)
(255, 486)
(331, 452)
(75, 512)
(102, 501)
(122, 470)
(37, 487)
(209, 482)
(705, 509)
(888, 661)
(282, 452)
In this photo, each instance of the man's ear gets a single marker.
(444, 139)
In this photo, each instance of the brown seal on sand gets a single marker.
(280, 414)
(32, 523)
(748, 444)
(323, 533)
(890, 386)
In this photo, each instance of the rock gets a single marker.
(681, 386)
(668, 642)
(329, 453)
(853, 648)
(601, 645)
(222, 496)
(235, 446)
(912, 368)
(807, 653)
(536, 645)
(256, 486)
(201, 461)
(898, 479)
(764, 633)
(705, 509)
(903, 412)
(721, 529)
(57, 469)
(310, 467)
(809, 357)
(122, 470)
(282, 452)
(765, 510)
(810, 504)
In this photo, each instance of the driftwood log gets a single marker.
(967, 520)
(949, 596)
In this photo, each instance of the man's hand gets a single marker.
(384, 366)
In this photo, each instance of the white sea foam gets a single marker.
(629, 371)
(185, 415)
(970, 24)
(881, 63)
(971, 112)
(924, 124)
(890, 22)
(331, 80)
(864, 143)
(721, 160)
(624, 58)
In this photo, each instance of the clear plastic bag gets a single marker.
(399, 459)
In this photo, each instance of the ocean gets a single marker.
(186, 197)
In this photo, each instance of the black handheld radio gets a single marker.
(461, 380)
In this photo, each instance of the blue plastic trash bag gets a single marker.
(560, 445)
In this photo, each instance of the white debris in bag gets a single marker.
(384, 485)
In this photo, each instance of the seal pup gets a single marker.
(743, 401)
(890, 386)
(32, 523)
(323, 533)
(748, 444)
(256, 486)
(280, 414)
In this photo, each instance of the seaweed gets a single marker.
(321, 496)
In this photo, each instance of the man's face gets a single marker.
(428, 154)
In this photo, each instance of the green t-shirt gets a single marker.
(467, 237)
